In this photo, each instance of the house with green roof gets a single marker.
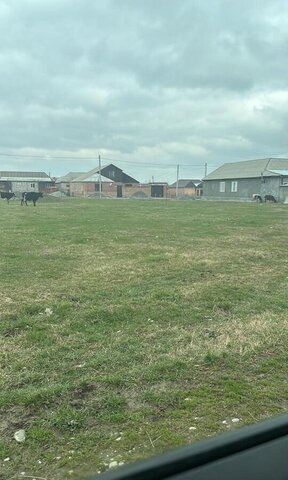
(241, 181)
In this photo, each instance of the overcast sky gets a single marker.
(148, 84)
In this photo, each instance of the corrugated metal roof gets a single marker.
(94, 178)
(280, 172)
(249, 169)
(68, 177)
(83, 177)
(26, 179)
(23, 175)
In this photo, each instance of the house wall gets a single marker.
(109, 189)
(19, 187)
(133, 190)
(246, 187)
(272, 187)
(64, 187)
(182, 192)
(283, 194)
(77, 189)
(80, 189)
(5, 186)
(141, 190)
(137, 191)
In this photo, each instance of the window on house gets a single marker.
(32, 185)
(112, 173)
(222, 187)
(97, 187)
(284, 181)
(234, 186)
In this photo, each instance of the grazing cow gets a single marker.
(257, 197)
(7, 195)
(30, 197)
(270, 198)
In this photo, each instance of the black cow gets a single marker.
(30, 197)
(257, 197)
(7, 195)
(270, 198)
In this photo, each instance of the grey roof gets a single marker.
(83, 176)
(68, 177)
(266, 167)
(186, 183)
(24, 175)
(280, 172)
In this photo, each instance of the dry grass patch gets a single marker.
(231, 335)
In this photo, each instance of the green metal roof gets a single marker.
(249, 169)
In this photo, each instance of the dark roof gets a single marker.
(266, 167)
(186, 183)
(110, 171)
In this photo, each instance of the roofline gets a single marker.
(94, 171)
(265, 169)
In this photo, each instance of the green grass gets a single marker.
(125, 323)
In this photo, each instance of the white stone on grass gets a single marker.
(20, 436)
(235, 420)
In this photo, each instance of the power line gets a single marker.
(152, 164)
(111, 159)
(56, 157)
(45, 157)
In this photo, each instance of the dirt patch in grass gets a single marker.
(13, 419)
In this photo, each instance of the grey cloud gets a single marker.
(139, 78)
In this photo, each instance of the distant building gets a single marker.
(115, 183)
(188, 188)
(18, 182)
(112, 182)
(63, 183)
(242, 180)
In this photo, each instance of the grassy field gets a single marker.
(128, 328)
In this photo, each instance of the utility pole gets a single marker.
(177, 181)
(206, 165)
(100, 181)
